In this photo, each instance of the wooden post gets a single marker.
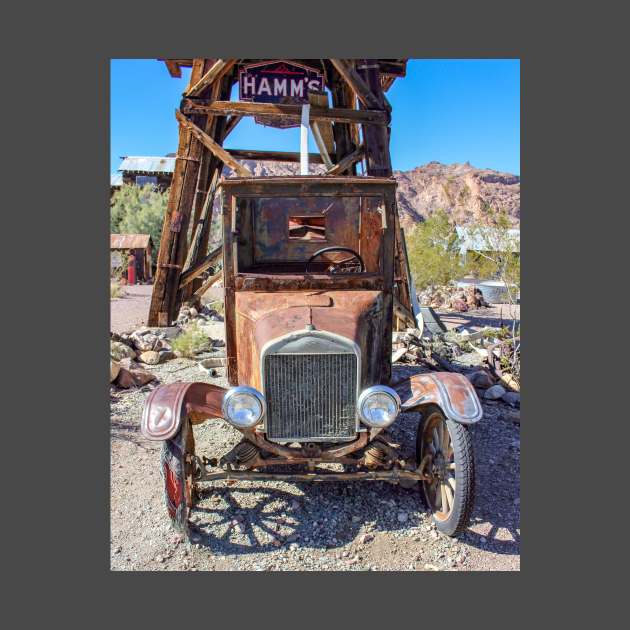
(173, 242)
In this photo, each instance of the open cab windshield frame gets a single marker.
(272, 226)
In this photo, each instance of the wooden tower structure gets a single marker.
(353, 129)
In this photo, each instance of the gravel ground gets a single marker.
(300, 526)
(495, 316)
(280, 526)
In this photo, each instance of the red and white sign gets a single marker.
(278, 82)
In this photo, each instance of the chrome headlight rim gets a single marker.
(378, 389)
(244, 390)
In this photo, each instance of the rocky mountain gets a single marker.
(464, 191)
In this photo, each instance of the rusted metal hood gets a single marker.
(262, 317)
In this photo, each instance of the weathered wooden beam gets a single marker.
(188, 276)
(173, 242)
(273, 156)
(376, 138)
(319, 141)
(208, 283)
(292, 112)
(200, 222)
(347, 162)
(173, 68)
(320, 99)
(358, 85)
(211, 145)
(220, 68)
(342, 96)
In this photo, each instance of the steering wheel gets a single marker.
(343, 266)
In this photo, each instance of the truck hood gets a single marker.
(263, 317)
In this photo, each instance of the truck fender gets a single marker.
(453, 393)
(167, 405)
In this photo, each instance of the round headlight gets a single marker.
(379, 406)
(243, 406)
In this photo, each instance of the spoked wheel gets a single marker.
(177, 472)
(450, 494)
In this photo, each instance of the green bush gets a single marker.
(139, 210)
(115, 290)
(191, 341)
(433, 250)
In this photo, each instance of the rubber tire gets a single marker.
(464, 498)
(179, 496)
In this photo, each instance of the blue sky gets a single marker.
(444, 110)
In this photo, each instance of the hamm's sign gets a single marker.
(278, 82)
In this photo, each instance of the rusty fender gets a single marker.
(168, 404)
(453, 393)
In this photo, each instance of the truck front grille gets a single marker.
(310, 397)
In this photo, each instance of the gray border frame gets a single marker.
(60, 91)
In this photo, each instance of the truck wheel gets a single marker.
(176, 468)
(450, 495)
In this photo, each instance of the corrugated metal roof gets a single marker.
(147, 164)
(115, 179)
(129, 241)
(488, 239)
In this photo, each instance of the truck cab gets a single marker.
(308, 273)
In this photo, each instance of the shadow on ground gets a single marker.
(251, 517)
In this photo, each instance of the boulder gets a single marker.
(213, 363)
(146, 341)
(120, 350)
(166, 355)
(114, 369)
(494, 393)
(459, 305)
(512, 398)
(480, 379)
(151, 357)
(133, 378)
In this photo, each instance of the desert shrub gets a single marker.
(218, 306)
(115, 290)
(433, 249)
(500, 255)
(191, 341)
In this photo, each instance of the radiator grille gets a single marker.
(310, 397)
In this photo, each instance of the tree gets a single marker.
(139, 210)
(434, 252)
(498, 256)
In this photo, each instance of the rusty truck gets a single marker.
(309, 277)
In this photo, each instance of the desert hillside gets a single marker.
(461, 189)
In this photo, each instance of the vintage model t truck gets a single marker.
(310, 288)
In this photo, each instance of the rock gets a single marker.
(146, 341)
(494, 393)
(402, 517)
(480, 379)
(166, 355)
(119, 350)
(150, 358)
(212, 363)
(512, 415)
(128, 364)
(366, 538)
(133, 378)
(459, 305)
(512, 398)
(193, 312)
(114, 369)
